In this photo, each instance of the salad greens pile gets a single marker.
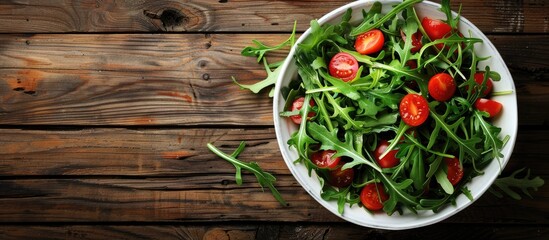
(352, 118)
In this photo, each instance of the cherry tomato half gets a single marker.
(325, 159)
(435, 29)
(372, 196)
(414, 109)
(343, 66)
(479, 78)
(341, 178)
(455, 171)
(297, 105)
(416, 41)
(442, 87)
(389, 160)
(493, 108)
(369, 42)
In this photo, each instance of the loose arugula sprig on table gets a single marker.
(265, 179)
(260, 51)
(352, 117)
(506, 184)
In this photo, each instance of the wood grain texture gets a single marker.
(132, 152)
(106, 108)
(151, 79)
(171, 152)
(502, 16)
(119, 175)
(203, 198)
(251, 231)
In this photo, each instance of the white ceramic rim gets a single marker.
(509, 118)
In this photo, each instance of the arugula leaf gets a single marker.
(465, 145)
(272, 76)
(342, 196)
(418, 169)
(264, 179)
(330, 140)
(370, 22)
(390, 100)
(261, 49)
(442, 179)
(300, 140)
(342, 86)
(506, 185)
(397, 194)
(237, 151)
(445, 8)
(343, 113)
(404, 52)
(490, 132)
(382, 120)
(433, 204)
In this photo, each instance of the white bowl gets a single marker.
(507, 121)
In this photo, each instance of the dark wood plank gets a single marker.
(185, 199)
(201, 198)
(173, 152)
(138, 152)
(153, 16)
(90, 79)
(119, 175)
(179, 79)
(275, 231)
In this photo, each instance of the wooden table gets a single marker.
(106, 108)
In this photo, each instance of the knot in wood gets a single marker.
(173, 18)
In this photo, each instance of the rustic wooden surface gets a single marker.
(106, 108)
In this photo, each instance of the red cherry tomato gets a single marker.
(389, 160)
(416, 41)
(455, 171)
(341, 178)
(372, 196)
(412, 64)
(325, 159)
(414, 109)
(343, 66)
(479, 78)
(297, 105)
(369, 42)
(435, 29)
(493, 108)
(442, 87)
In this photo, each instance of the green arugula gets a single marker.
(343, 196)
(489, 133)
(467, 146)
(272, 76)
(397, 192)
(260, 51)
(445, 8)
(352, 117)
(506, 184)
(371, 21)
(264, 179)
(329, 140)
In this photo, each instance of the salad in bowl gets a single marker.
(395, 114)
